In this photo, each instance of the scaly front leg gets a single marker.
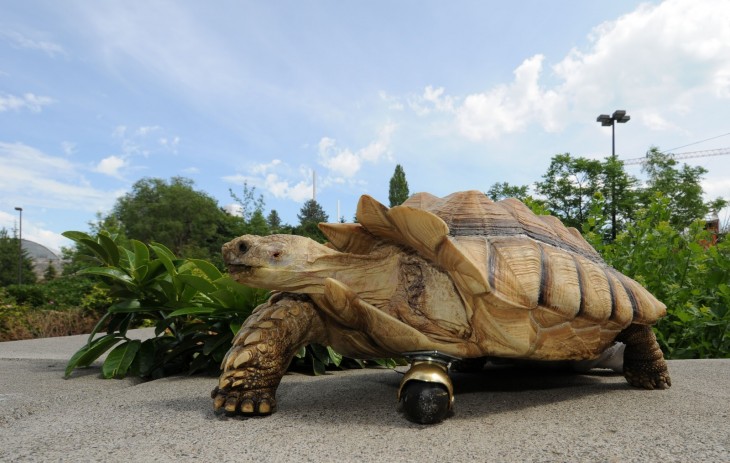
(262, 351)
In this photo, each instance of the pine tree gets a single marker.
(309, 216)
(9, 261)
(398, 192)
(274, 221)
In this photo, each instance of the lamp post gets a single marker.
(20, 246)
(621, 117)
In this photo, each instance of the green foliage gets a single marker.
(309, 216)
(258, 225)
(249, 202)
(274, 222)
(173, 213)
(569, 186)
(194, 307)
(20, 320)
(681, 186)
(681, 269)
(9, 248)
(26, 294)
(398, 190)
(50, 272)
(503, 190)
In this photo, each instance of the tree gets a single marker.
(619, 190)
(569, 186)
(504, 190)
(398, 192)
(309, 216)
(9, 261)
(682, 186)
(274, 221)
(258, 224)
(248, 201)
(50, 273)
(173, 213)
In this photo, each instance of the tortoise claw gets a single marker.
(257, 402)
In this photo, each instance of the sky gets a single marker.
(95, 96)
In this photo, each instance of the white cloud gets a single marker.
(21, 41)
(343, 162)
(144, 130)
(110, 165)
(31, 177)
(259, 169)
(33, 231)
(68, 147)
(299, 191)
(672, 58)
(28, 101)
(139, 142)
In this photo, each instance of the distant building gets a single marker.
(41, 257)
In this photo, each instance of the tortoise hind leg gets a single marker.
(261, 353)
(644, 364)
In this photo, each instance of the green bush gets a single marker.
(27, 294)
(23, 321)
(194, 308)
(682, 269)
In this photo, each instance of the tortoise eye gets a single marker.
(242, 247)
(276, 254)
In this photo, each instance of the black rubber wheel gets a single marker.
(425, 403)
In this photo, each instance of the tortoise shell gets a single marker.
(532, 288)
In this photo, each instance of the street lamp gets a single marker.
(20, 246)
(621, 117)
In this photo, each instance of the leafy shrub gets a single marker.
(194, 307)
(27, 294)
(22, 321)
(684, 271)
(70, 291)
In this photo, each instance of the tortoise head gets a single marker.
(280, 262)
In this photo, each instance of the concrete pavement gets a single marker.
(500, 415)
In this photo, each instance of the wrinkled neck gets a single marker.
(359, 272)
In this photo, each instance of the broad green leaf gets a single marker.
(97, 249)
(118, 361)
(161, 249)
(141, 253)
(99, 325)
(112, 251)
(146, 356)
(200, 362)
(214, 342)
(199, 283)
(165, 259)
(235, 327)
(318, 367)
(76, 236)
(191, 311)
(90, 352)
(334, 356)
(208, 269)
(114, 273)
(123, 306)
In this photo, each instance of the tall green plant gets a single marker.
(683, 270)
(195, 309)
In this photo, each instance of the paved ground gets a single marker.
(500, 415)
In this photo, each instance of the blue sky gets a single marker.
(96, 95)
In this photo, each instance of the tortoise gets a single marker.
(434, 280)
